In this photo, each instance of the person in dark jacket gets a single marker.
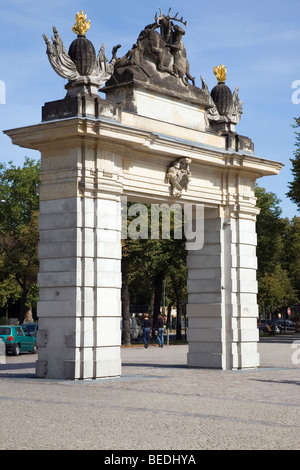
(146, 330)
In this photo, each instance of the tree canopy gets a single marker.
(278, 243)
(149, 262)
(294, 186)
(19, 233)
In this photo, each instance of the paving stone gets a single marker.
(157, 404)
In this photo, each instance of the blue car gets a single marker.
(31, 327)
(17, 339)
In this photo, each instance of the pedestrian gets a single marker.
(160, 331)
(146, 330)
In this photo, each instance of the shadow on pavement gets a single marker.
(15, 370)
(146, 364)
(287, 382)
(282, 338)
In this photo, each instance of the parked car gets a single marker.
(31, 327)
(285, 325)
(268, 326)
(17, 339)
(135, 328)
(278, 325)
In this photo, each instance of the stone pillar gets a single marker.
(80, 265)
(222, 288)
(244, 292)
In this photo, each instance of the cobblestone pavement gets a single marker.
(157, 404)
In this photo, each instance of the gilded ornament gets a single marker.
(81, 26)
(220, 72)
(86, 72)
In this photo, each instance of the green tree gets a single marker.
(276, 244)
(294, 186)
(177, 274)
(270, 228)
(274, 288)
(19, 231)
(9, 288)
(18, 191)
(148, 261)
(292, 251)
(151, 261)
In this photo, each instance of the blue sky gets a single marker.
(258, 41)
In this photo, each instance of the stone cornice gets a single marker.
(107, 132)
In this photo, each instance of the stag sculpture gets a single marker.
(159, 48)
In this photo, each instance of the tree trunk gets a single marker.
(178, 317)
(125, 297)
(28, 318)
(23, 307)
(158, 287)
(169, 320)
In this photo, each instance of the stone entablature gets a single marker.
(138, 146)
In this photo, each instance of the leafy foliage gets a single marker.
(278, 243)
(294, 186)
(18, 232)
(269, 230)
(150, 261)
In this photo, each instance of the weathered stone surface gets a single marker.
(80, 66)
(157, 52)
(79, 106)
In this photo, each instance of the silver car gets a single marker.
(135, 328)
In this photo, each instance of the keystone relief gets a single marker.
(179, 175)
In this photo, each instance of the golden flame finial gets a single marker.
(220, 73)
(81, 26)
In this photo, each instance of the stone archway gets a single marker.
(93, 153)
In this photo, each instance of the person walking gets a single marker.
(160, 331)
(146, 330)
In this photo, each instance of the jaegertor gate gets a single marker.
(154, 127)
